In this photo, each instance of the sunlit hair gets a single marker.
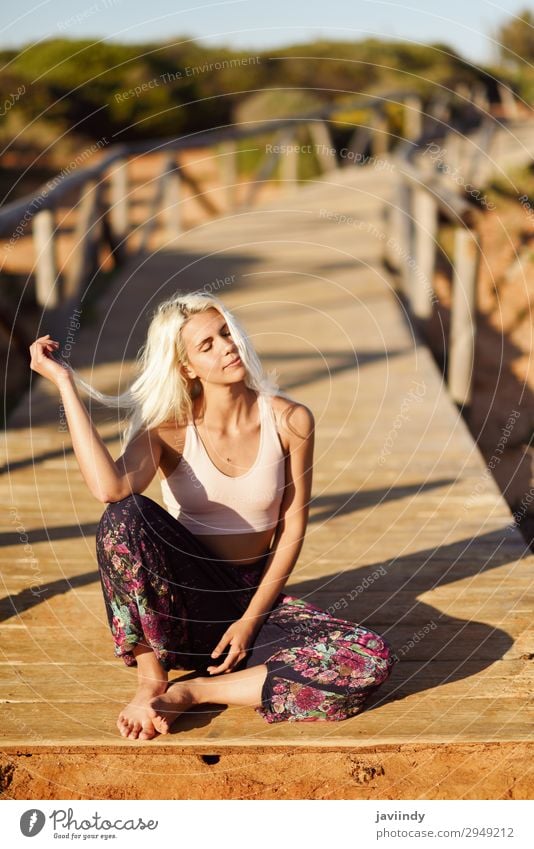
(162, 392)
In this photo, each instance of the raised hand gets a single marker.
(43, 362)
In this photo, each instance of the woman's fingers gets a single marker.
(221, 645)
(41, 347)
(224, 665)
(235, 655)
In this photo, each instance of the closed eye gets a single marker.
(223, 333)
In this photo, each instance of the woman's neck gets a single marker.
(223, 408)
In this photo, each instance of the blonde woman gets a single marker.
(199, 585)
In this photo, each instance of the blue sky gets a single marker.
(467, 25)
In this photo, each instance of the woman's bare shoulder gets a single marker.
(292, 418)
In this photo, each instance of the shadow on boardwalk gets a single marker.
(468, 646)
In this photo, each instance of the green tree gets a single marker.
(516, 39)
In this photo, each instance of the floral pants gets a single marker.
(164, 589)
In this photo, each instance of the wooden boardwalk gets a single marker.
(408, 534)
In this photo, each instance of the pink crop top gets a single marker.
(207, 501)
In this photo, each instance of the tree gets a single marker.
(516, 39)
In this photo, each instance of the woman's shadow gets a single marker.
(432, 648)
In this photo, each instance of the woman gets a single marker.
(199, 585)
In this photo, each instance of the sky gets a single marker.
(467, 25)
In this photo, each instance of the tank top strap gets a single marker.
(272, 432)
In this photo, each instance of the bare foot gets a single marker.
(167, 707)
(136, 719)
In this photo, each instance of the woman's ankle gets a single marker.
(195, 688)
(151, 676)
(151, 687)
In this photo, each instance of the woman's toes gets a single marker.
(124, 727)
(148, 731)
(161, 725)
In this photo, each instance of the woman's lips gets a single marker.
(235, 362)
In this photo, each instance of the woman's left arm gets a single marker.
(294, 511)
(287, 541)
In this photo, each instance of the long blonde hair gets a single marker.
(162, 392)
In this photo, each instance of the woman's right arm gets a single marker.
(107, 479)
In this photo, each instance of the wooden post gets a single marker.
(462, 91)
(46, 290)
(379, 138)
(289, 161)
(171, 199)
(84, 262)
(265, 171)
(227, 160)
(355, 150)
(462, 331)
(323, 148)
(398, 245)
(425, 213)
(508, 102)
(479, 96)
(439, 112)
(118, 200)
(481, 164)
(413, 125)
(452, 157)
(156, 203)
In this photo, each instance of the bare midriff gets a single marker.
(239, 549)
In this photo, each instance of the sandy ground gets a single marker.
(416, 772)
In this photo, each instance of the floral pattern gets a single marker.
(164, 589)
(339, 662)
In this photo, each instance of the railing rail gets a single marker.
(103, 214)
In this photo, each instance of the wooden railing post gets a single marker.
(289, 161)
(84, 261)
(425, 214)
(46, 272)
(439, 113)
(462, 330)
(171, 199)
(118, 200)
(413, 124)
(267, 168)
(479, 96)
(358, 142)
(227, 161)
(398, 245)
(323, 148)
(379, 138)
(508, 102)
(164, 197)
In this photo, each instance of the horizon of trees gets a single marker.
(61, 92)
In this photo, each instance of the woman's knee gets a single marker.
(122, 517)
(127, 508)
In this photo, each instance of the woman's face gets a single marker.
(211, 349)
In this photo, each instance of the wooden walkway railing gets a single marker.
(104, 219)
